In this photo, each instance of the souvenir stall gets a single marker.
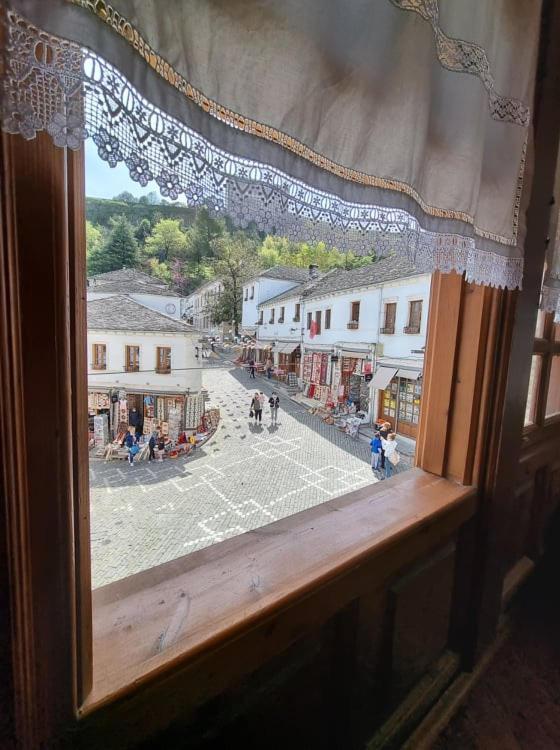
(316, 376)
(288, 359)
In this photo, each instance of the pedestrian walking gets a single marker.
(274, 403)
(251, 368)
(269, 367)
(383, 434)
(160, 445)
(375, 445)
(256, 408)
(392, 457)
(152, 447)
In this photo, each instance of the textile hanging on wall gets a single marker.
(397, 125)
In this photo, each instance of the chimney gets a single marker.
(313, 272)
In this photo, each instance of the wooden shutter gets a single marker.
(327, 319)
(390, 317)
(163, 361)
(318, 316)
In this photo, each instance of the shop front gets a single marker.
(399, 399)
(316, 375)
(287, 360)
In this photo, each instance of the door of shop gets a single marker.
(399, 404)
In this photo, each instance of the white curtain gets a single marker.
(397, 125)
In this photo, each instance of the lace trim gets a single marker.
(122, 26)
(461, 56)
(54, 85)
(550, 300)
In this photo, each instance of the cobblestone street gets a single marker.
(246, 476)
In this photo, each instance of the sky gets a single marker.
(103, 181)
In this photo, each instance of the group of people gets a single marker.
(257, 403)
(132, 442)
(384, 453)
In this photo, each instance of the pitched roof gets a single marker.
(132, 287)
(120, 313)
(380, 272)
(284, 273)
(299, 290)
(125, 275)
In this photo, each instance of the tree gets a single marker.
(94, 238)
(236, 260)
(120, 250)
(166, 242)
(125, 197)
(160, 270)
(201, 235)
(142, 231)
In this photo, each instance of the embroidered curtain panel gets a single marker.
(393, 125)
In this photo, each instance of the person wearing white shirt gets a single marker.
(391, 454)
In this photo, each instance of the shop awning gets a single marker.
(409, 374)
(287, 348)
(356, 354)
(383, 377)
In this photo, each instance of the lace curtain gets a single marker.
(395, 125)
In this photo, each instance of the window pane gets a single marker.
(557, 332)
(534, 380)
(539, 328)
(553, 395)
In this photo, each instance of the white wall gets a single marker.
(264, 289)
(198, 305)
(185, 373)
(156, 302)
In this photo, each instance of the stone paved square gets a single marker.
(246, 476)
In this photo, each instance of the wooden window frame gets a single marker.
(410, 328)
(282, 315)
(261, 318)
(297, 313)
(479, 347)
(547, 348)
(309, 320)
(272, 315)
(318, 321)
(160, 370)
(95, 365)
(136, 365)
(389, 329)
(328, 314)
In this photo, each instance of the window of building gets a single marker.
(327, 319)
(132, 358)
(163, 360)
(99, 357)
(261, 317)
(281, 316)
(389, 318)
(246, 295)
(252, 292)
(543, 394)
(297, 314)
(354, 315)
(272, 312)
(414, 316)
(318, 316)
(309, 319)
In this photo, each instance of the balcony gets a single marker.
(411, 329)
(387, 330)
(353, 325)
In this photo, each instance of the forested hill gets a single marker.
(100, 210)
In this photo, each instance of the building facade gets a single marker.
(139, 286)
(354, 335)
(199, 307)
(140, 363)
(267, 284)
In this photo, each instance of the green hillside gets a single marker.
(100, 210)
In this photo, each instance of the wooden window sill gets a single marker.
(160, 619)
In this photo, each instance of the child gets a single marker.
(132, 451)
(375, 445)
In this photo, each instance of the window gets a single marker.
(390, 317)
(309, 319)
(246, 297)
(414, 316)
(261, 317)
(252, 292)
(272, 311)
(543, 394)
(99, 357)
(163, 360)
(318, 316)
(132, 358)
(281, 316)
(327, 319)
(354, 316)
(297, 314)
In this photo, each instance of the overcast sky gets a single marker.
(102, 181)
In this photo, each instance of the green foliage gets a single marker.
(235, 261)
(126, 197)
(119, 251)
(166, 242)
(159, 270)
(281, 251)
(201, 235)
(100, 211)
(94, 238)
(142, 231)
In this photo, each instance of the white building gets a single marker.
(356, 334)
(139, 286)
(265, 285)
(139, 359)
(199, 305)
